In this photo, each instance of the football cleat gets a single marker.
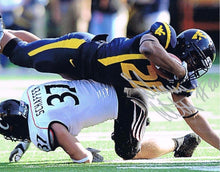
(186, 145)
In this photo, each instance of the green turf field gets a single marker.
(205, 158)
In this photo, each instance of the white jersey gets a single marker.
(75, 104)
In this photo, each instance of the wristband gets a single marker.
(189, 116)
(81, 160)
(89, 157)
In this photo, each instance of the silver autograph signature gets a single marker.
(167, 110)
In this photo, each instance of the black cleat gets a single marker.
(186, 145)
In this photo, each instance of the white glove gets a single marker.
(96, 157)
(186, 77)
(19, 151)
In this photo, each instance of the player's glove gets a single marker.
(19, 151)
(186, 77)
(96, 157)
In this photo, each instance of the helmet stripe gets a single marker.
(168, 31)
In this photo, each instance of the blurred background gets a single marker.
(118, 18)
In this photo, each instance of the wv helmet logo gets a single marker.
(160, 31)
(198, 35)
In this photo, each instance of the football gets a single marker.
(163, 73)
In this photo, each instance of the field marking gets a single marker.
(191, 167)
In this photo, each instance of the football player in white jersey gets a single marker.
(53, 114)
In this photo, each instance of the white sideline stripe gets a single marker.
(191, 167)
(202, 159)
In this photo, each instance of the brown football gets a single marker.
(163, 73)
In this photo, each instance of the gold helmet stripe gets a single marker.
(168, 31)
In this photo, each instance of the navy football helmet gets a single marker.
(13, 120)
(197, 49)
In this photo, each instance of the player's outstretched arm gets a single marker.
(11, 34)
(71, 145)
(196, 121)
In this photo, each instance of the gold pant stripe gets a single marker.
(70, 43)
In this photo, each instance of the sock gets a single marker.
(178, 142)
